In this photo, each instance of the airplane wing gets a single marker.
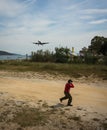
(36, 43)
(45, 43)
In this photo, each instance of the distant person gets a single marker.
(68, 96)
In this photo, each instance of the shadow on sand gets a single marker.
(58, 105)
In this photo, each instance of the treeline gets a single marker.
(96, 53)
(61, 55)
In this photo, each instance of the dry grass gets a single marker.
(74, 70)
(30, 117)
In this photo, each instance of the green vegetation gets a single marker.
(64, 55)
(91, 61)
(73, 70)
(98, 45)
(96, 53)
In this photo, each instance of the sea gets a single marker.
(12, 57)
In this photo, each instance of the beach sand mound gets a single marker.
(33, 103)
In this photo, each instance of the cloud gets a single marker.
(27, 25)
(86, 17)
(60, 22)
(9, 8)
(94, 11)
(94, 16)
(76, 5)
(99, 21)
(13, 8)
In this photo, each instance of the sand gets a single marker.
(89, 95)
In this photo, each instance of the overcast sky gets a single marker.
(71, 23)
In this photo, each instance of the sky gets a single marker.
(62, 23)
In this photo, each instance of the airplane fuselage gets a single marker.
(40, 43)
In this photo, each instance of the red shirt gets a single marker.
(68, 86)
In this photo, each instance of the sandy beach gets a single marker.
(89, 98)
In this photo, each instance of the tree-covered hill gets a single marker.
(6, 53)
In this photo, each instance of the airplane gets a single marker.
(40, 43)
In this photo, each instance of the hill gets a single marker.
(6, 53)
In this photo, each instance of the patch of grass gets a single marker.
(3, 115)
(62, 112)
(45, 104)
(104, 125)
(74, 70)
(30, 117)
(75, 117)
(96, 119)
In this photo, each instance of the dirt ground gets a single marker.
(89, 100)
